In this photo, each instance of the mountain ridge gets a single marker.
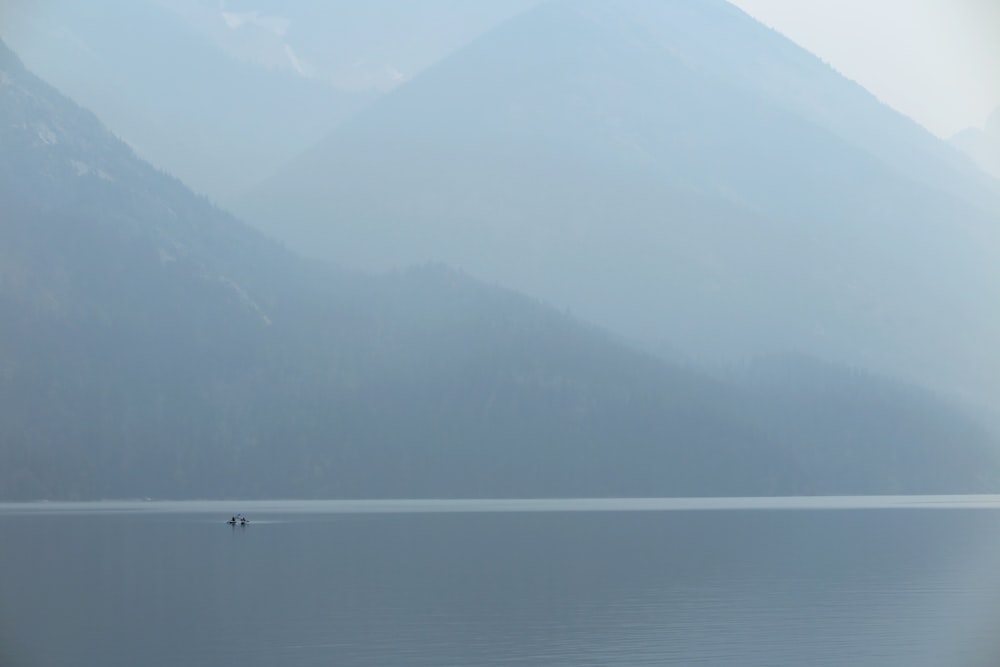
(180, 102)
(587, 171)
(151, 343)
(154, 346)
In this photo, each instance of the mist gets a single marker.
(519, 249)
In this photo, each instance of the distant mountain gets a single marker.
(679, 173)
(719, 40)
(852, 431)
(982, 145)
(152, 345)
(219, 94)
(172, 92)
(367, 46)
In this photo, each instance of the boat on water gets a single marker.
(238, 520)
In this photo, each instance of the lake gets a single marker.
(794, 581)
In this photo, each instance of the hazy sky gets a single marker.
(938, 61)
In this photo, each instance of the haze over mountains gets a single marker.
(150, 71)
(678, 173)
(244, 86)
(153, 345)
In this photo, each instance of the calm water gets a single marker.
(890, 581)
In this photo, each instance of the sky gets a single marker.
(937, 61)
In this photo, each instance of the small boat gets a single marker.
(238, 520)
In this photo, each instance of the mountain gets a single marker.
(354, 46)
(852, 431)
(676, 172)
(218, 94)
(176, 95)
(982, 145)
(151, 345)
(720, 41)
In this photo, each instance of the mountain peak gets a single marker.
(595, 153)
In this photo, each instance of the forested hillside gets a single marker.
(152, 345)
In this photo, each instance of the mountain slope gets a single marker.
(177, 98)
(639, 177)
(360, 47)
(152, 345)
(720, 40)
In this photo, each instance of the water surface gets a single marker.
(861, 581)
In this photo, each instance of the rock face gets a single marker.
(679, 173)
